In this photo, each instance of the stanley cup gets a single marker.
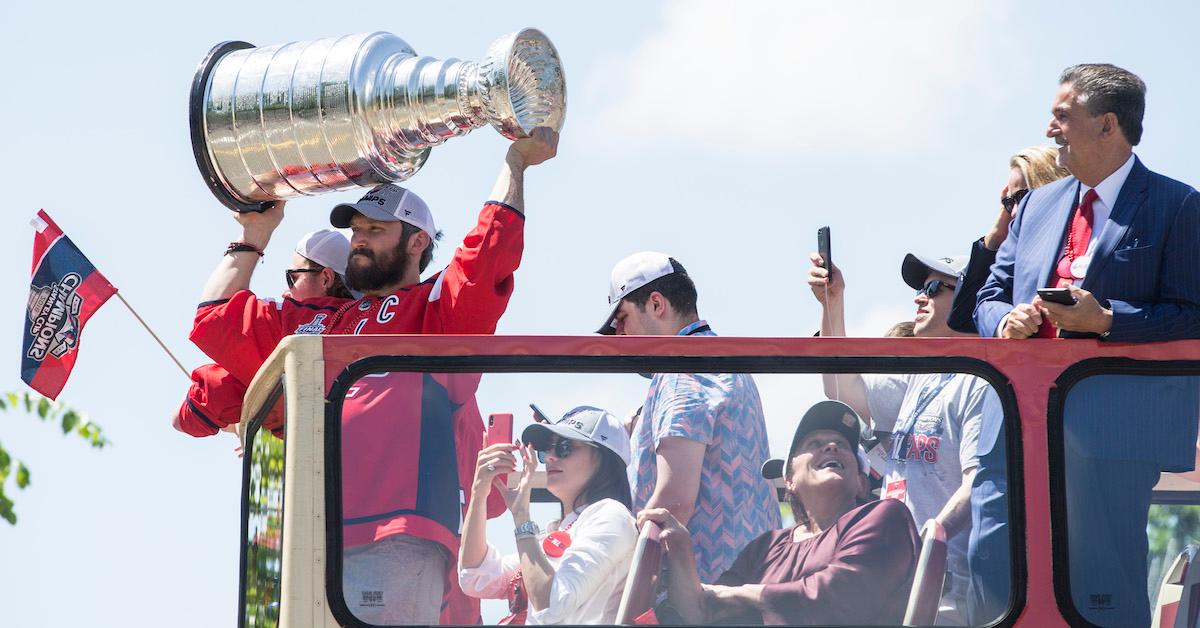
(317, 116)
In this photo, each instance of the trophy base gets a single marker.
(196, 123)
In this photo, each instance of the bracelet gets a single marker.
(527, 530)
(238, 247)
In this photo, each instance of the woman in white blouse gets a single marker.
(574, 571)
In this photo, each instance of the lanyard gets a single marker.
(900, 437)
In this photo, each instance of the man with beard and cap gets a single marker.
(848, 561)
(398, 519)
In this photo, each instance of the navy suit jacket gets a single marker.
(1146, 268)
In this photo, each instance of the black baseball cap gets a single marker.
(823, 415)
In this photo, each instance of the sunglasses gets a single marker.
(562, 448)
(933, 287)
(292, 272)
(1009, 202)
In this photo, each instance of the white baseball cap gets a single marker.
(915, 268)
(389, 203)
(584, 423)
(632, 273)
(326, 247)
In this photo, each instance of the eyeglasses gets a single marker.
(933, 287)
(292, 272)
(562, 448)
(1009, 202)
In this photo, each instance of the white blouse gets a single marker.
(588, 578)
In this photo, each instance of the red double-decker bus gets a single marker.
(291, 510)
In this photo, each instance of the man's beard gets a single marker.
(382, 271)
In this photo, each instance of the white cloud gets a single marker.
(795, 76)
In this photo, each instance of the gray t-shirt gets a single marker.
(939, 447)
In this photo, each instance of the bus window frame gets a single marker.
(655, 363)
(1056, 450)
(252, 429)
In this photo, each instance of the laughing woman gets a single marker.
(574, 571)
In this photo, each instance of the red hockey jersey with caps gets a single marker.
(409, 441)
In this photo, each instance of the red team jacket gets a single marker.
(409, 440)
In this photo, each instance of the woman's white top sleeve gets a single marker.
(492, 578)
(589, 578)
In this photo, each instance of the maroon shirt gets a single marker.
(858, 572)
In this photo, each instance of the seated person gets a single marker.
(845, 562)
(574, 572)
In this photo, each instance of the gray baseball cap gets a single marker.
(585, 423)
(389, 203)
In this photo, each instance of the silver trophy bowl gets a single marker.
(317, 116)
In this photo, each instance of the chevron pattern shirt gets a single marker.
(734, 504)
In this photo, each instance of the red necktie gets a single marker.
(1077, 245)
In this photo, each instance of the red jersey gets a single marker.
(409, 440)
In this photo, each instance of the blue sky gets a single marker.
(724, 136)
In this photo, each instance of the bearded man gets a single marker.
(409, 440)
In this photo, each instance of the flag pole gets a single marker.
(154, 335)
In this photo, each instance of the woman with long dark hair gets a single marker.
(573, 572)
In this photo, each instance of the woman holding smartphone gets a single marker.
(574, 571)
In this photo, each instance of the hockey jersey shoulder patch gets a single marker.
(314, 327)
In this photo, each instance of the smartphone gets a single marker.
(823, 248)
(1061, 296)
(499, 429)
(538, 415)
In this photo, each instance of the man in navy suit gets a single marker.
(1126, 243)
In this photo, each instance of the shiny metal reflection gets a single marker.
(310, 117)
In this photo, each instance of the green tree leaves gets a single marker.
(48, 411)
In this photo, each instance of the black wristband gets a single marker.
(238, 247)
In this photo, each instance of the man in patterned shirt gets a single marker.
(701, 439)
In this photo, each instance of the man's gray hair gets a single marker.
(1104, 88)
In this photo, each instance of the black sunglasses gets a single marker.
(562, 448)
(1009, 202)
(292, 272)
(933, 287)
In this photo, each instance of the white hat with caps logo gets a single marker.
(628, 275)
(585, 423)
(388, 203)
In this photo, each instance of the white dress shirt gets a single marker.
(589, 577)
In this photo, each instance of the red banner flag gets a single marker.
(64, 293)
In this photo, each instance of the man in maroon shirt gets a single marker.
(845, 562)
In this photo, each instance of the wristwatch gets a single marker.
(527, 530)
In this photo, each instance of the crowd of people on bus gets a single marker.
(1086, 217)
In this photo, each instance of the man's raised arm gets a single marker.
(540, 146)
(235, 268)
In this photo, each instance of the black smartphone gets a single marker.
(823, 248)
(1061, 296)
(538, 415)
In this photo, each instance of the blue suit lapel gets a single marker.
(1130, 199)
(1055, 227)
